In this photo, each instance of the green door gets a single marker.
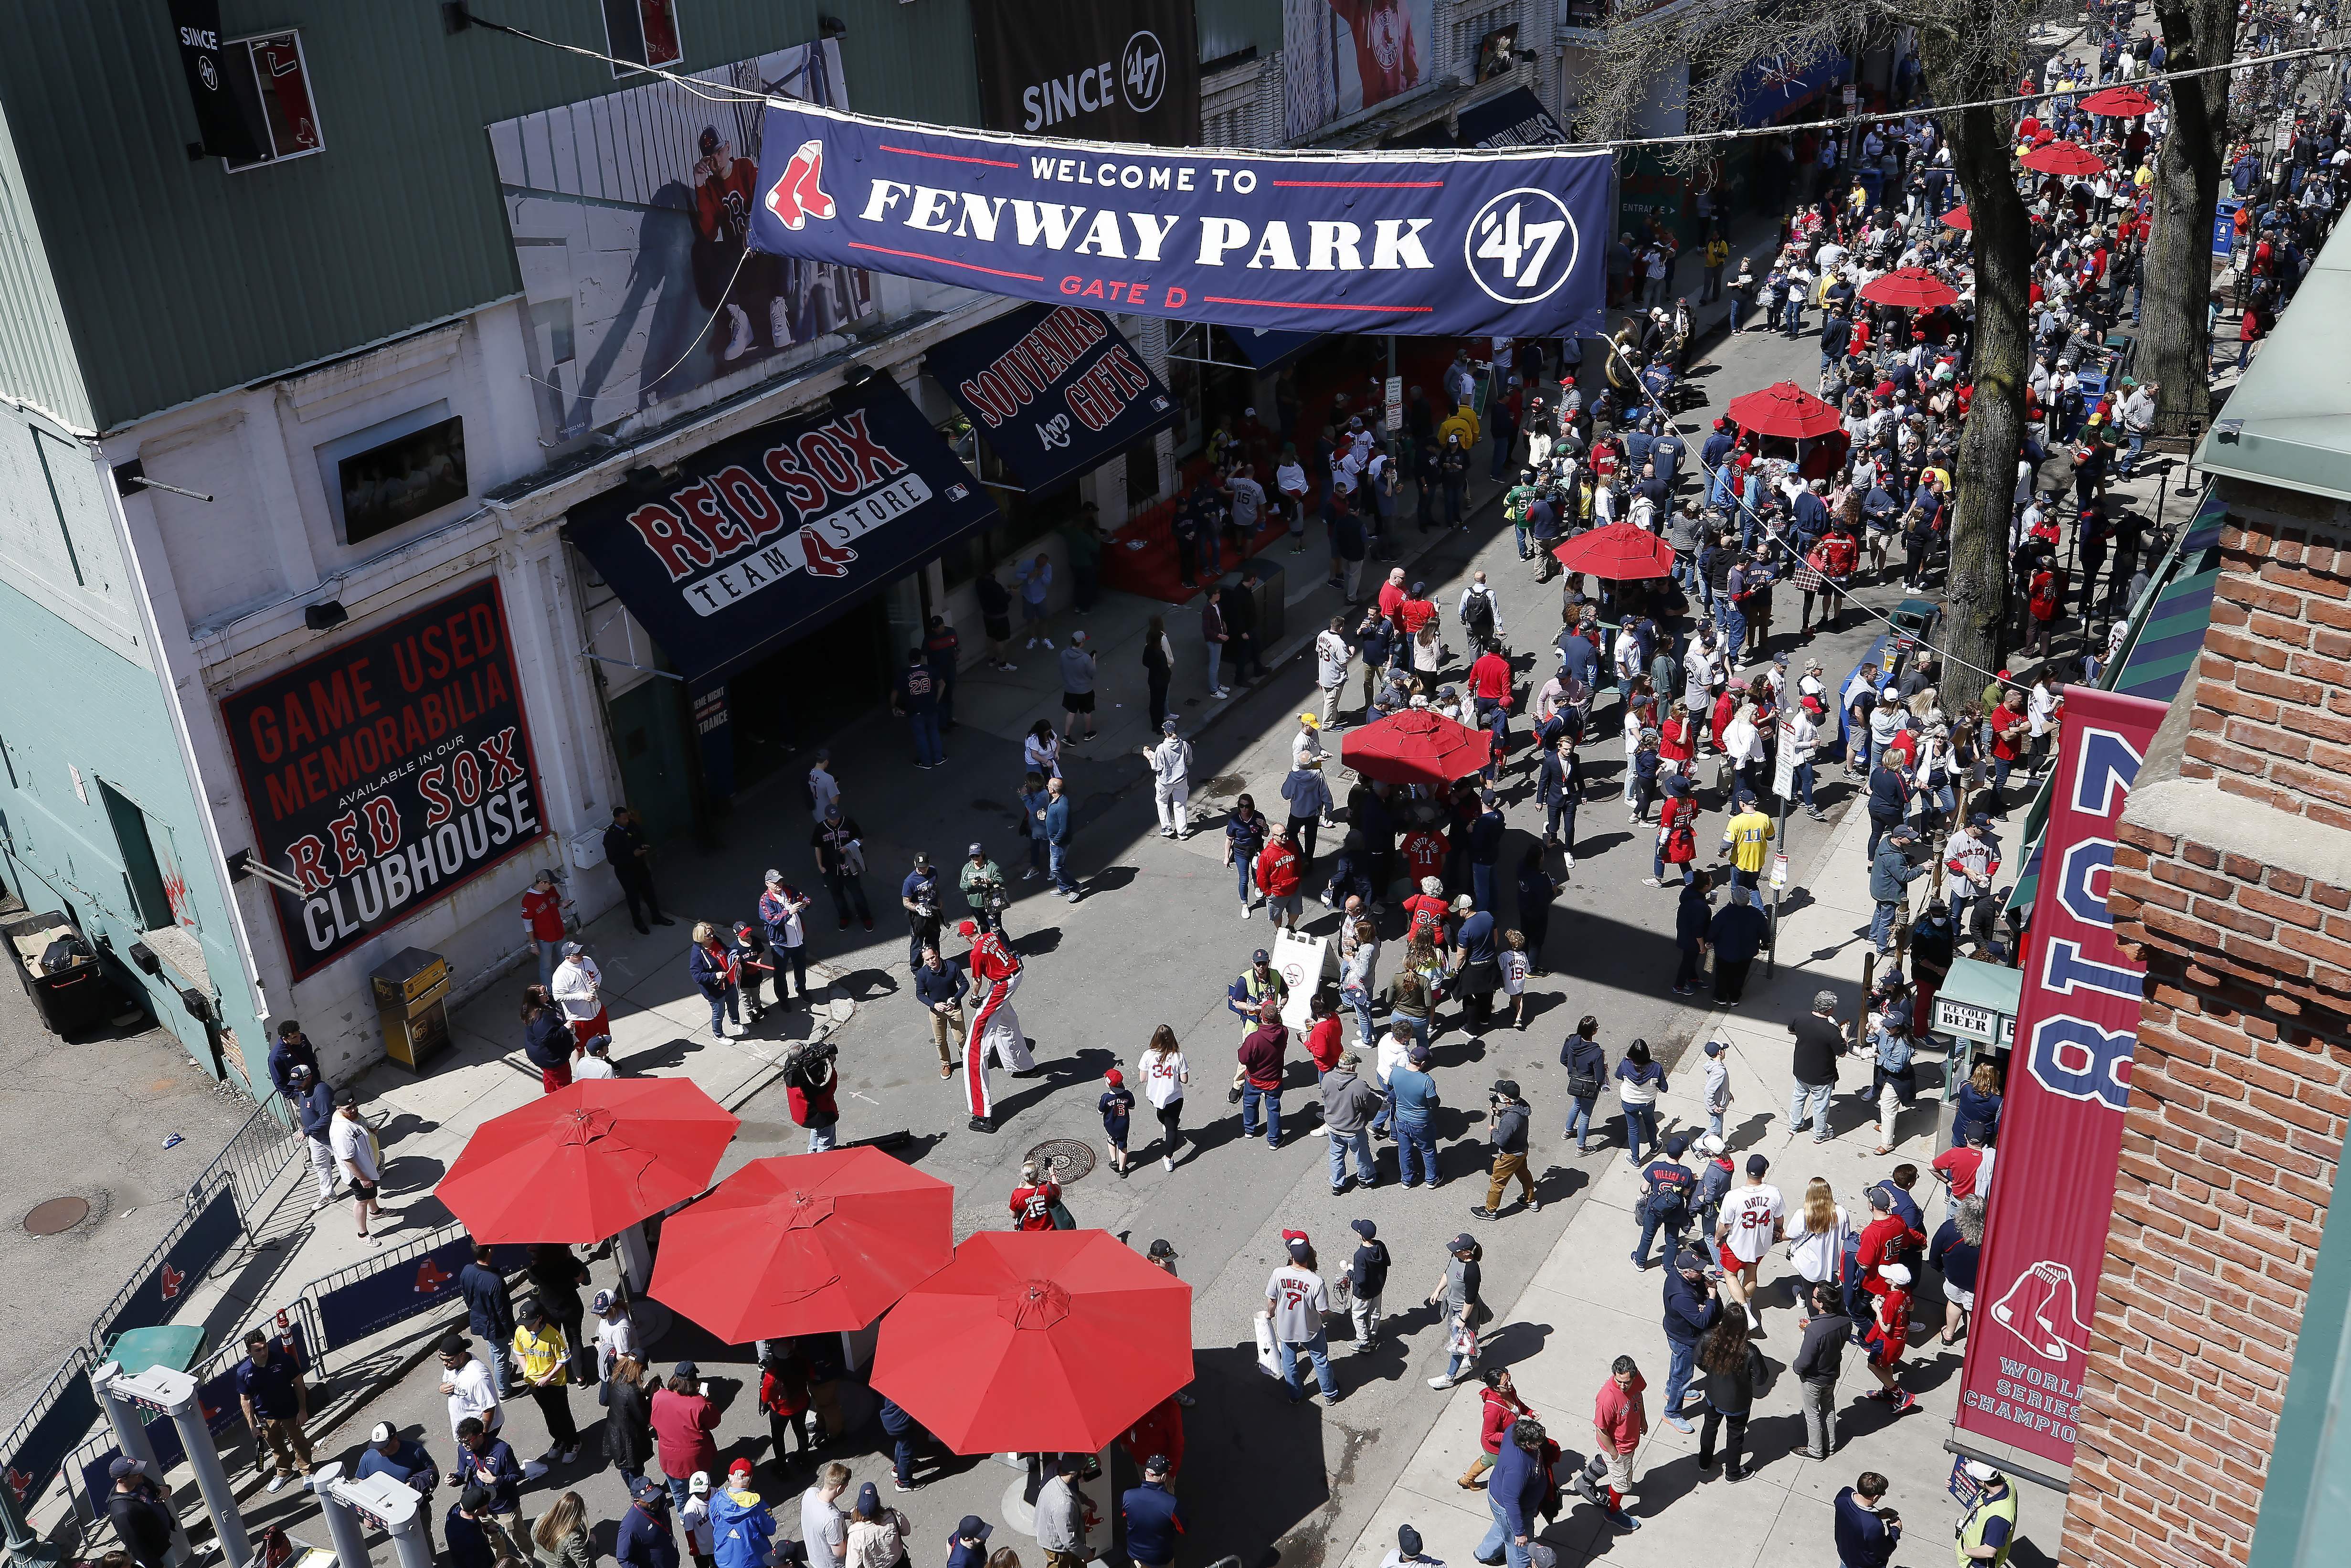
(649, 727)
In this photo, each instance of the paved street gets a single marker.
(1157, 938)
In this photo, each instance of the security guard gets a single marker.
(1248, 994)
(1989, 1531)
(1747, 836)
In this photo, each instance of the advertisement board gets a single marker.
(1104, 70)
(629, 214)
(387, 771)
(1469, 244)
(1055, 390)
(767, 536)
(1342, 57)
(2068, 1083)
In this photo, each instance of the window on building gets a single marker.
(641, 31)
(395, 471)
(272, 88)
(142, 869)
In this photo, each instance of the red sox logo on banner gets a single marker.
(173, 1280)
(429, 1277)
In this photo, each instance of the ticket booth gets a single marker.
(1976, 1007)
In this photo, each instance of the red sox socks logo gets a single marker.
(825, 559)
(19, 1483)
(800, 196)
(173, 1280)
(429, 1277)
(2042, 1310)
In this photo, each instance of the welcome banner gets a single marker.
(1461, 243)
(2061, 1131)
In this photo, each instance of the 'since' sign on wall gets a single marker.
(388, 770)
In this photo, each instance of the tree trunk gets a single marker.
(2173, 351)
(1975, 596)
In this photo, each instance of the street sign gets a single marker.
(1396, 403)
(1780, 871)
(1783, 760)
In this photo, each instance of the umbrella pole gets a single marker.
(634, 1251)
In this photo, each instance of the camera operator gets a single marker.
(983, 890)
(808, 1084)
(919, 896)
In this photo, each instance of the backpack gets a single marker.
(1479, 615)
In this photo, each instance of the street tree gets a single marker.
(2174, 352)
(1970, 50)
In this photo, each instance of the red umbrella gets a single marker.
(2119, 103)
(1416, 746)
(1784, 409)
(1958, 218)
(1621, 552)
(589, 1161)
(1036, 1341)
(1911, 288)
(805, 1244)
(2070, 159)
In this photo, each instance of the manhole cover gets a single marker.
(1223, 784)
(1070, 1159)
(60, 1215)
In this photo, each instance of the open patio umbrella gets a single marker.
(585, 1163)
(1416, 746)
(1620, 553)
(1958, 218)
(1909, 287)
(1784, 409)
(1037, 1342)
(2118, 103)
(2069, 158)
(805, 1244)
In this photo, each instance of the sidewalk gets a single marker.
(1782, 1514)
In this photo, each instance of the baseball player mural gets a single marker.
(995, 972)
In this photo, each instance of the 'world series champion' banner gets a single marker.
(1461, 243)
(2060, 1128)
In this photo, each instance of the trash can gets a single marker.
(1272, 587)
(412, 1001)
(60, 972)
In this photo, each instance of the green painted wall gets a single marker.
(175, 279)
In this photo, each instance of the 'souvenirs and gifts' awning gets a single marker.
(766, 537)
(1055, 389)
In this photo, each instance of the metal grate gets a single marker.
(1063, 1160)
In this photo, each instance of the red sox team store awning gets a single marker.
(1054, 389)
(767, 537)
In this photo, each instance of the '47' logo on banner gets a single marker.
(1521, 246)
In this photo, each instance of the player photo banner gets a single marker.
(1108, 70)
(768, 534)
(1055, 390)
(386, 771)
(2060, 1128)
(1446, 245)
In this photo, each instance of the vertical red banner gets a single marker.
(2061, 1129)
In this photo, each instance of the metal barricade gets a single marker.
(256, 1157)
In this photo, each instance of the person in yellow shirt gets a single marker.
(1718, 256)
(1462, 420)
(1747, 837)
(546, 1359)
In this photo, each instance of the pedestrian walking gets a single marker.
(1036, 580)
(578, 990)
(940, 986)
(710, 965)
(1515, 1495)
(1818, 1232)
(1639, 1082)
(1887, 1336)
(1060, 1515)
(277, 1406)
(1691, 1309)
(489, 1306)
(139, 1509)
(1754, 1219)
(1296, 1302)
(1349, 1104)
(1460, 1294)
(1958, 1250)
(631, 856)
(1055, 819)
(824, 1525)
(1867, 1532)
(1714, 1091)
(839, 844)
(1414, 1092)
(1498, 1410)
(1506, 1123)
(1731, 1370)
(1164, 1077)
(314, 1110)
(562, 1534)
(1245, 833)
(1668, 1187)
(1171, 780)
(628, 1433)
(359, 1159)
(404, 1462)
(877, 1533)
(1154, 1518)
(1619, 1420)
(1693, 920)
(1079, 668)
(981, 881)
(1116, 1106)
(1367, 1282)
(916, 697)
(919, 895)
(782, 909)
(1587, 1074)
(1257, 1081)
(467, 1386)
(1736, 935)
(685, 1424)
(544, 1355)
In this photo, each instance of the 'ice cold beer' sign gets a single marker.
(388, 770)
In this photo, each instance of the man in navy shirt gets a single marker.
(269, 1386)
(919, 896)
(1155, 1520)
(968, 1547)
(490, 1308)
(940, 986)
(293, 1047)
(490, 1466)
(404, 1460)
(645, 1539)
(1865, 1539)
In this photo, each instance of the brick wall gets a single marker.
(2232, 882)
